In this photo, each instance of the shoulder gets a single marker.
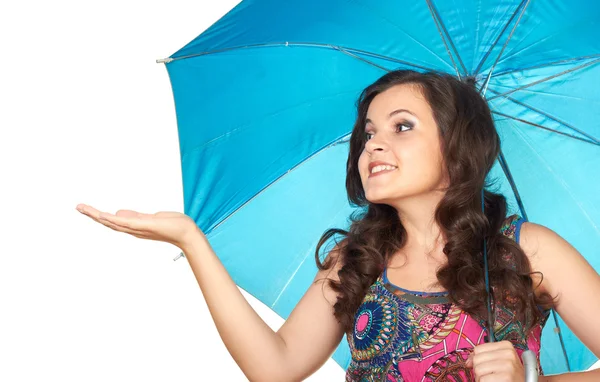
(542, 245)
(550, 254)
(539, 244)
(530, 236)
(568, 277)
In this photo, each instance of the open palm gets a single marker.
(168, 226)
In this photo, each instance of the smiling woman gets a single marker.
(406, 283)
(408, 139)
(411, 291)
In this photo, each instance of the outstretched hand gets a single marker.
(171, 227)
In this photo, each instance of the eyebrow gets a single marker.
(394, 113)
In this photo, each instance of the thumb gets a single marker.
(130, 214)
(169, 214)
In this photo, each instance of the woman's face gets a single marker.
(400, 131)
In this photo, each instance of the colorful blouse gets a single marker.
(401, 335)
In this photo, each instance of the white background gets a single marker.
(87, 116)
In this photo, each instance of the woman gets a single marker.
(406, 282)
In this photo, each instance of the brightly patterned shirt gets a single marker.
(401, 335)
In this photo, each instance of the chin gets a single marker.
(379, 197)
(376, 198)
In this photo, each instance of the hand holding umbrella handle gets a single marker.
(530, 365)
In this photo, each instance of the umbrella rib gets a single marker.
(557, 177)
(301, 44)
(336, 142)
(504, 165)
(348, 52)
(546, 64)
(364, 60)
(562, 341)
(448, 36)
(545, 128)
(497, 39)
(272, 305)
(302, 262)
(430, 5)
(512, 183)
(593, 139)
(545, 79)
(489, 75)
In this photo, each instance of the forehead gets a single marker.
(405, 96)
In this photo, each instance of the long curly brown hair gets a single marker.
(470, 146)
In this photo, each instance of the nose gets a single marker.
(375, 143)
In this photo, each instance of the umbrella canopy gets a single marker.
(265, 103)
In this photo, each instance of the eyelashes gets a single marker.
(399, 127)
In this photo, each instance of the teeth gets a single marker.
(381, 168)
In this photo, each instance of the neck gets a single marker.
(417, 215)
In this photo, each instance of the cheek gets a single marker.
(432, 167)
(419, 161)
(363, 162)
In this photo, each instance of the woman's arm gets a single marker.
(304, 342)
(311, 332)
(576, 284)
(301, 346)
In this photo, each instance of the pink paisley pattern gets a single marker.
(402, 336)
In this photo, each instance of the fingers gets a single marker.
(121, 223)
(492, 346)
(129, 214)
(494, 367)
(106, 220)
(168, 214)
(497, 361)
(497, 377)
(134, 214)
(89, 211)
(498, 355)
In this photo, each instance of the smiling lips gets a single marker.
(379, 168)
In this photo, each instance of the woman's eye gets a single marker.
(400, 125)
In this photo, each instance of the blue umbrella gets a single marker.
(265, 106)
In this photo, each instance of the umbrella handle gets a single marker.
(530, 364)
